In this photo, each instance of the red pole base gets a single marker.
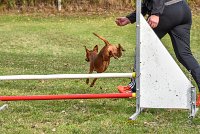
(65, 97)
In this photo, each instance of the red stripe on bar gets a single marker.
(63, 97)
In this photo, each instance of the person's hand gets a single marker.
(122, 21)
(153, 21)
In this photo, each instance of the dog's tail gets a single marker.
(106, 42)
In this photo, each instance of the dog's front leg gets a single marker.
(91, 70)
(92, 84)
(113, 55)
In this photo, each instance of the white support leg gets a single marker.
(5, 106)
(193, 109)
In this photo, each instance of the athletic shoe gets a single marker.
(198, 100)
(124, 89)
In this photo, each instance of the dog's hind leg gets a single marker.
(92, 84)
(87, 81)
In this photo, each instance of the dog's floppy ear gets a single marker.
(86, 49)
(87, 54)
(121, 48)
(95, 48)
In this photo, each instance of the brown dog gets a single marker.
(99, 62)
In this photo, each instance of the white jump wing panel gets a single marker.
(162, 82)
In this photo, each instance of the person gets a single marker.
(171, 17)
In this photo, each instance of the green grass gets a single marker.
(54, 45)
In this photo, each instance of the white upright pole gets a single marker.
(138, 42)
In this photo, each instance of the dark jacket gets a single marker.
(151, 7)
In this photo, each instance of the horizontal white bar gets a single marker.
(67, 76)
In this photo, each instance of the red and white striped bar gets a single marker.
(68, 96)
(68, 76)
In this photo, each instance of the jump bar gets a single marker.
(68, 76)
(65, 97)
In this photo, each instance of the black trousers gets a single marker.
(176, 21)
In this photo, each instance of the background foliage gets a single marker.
(71, 5)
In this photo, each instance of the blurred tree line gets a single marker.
(71, 5)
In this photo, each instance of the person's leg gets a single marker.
(180, 37)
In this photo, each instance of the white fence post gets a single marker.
(59, 5)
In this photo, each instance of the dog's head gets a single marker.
(91, 53)
(119, 51)
(115, 51)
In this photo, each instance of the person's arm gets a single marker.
(132, 16)
(157, 9)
